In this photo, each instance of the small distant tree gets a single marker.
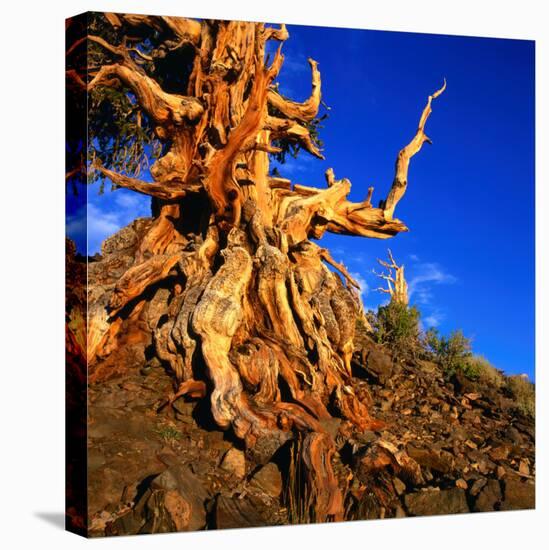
(396, 324)
(397, 287)
(453, 353)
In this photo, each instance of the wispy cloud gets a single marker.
(132, 202)
(296, 166)
(364, 286)
(338, 252)
(295, 64)
(294, 75)
(433, 320)
(350, 257)
(101, 224)
(103, 216)
(427, 275)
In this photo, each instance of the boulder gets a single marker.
(174, 501)
(383, 454)
(439, 461)
(366, 437)
(433, 503)
(183, 497)
(331, 425)
(234, 462)
(513, 435)
(267, 445)
(518, 495)
(379, 365)
(235, 513)
(399, 486)
(500, 453)
(477, 486)
(461, 483)
(127, 524)
(464, 384)
(399, 512)
(268, 480)
(489, 498)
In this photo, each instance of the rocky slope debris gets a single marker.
(446, 447)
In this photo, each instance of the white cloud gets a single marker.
(132, 202)
(338, 251)
(420, 288)
(350, 257)
(426, 275)
(104, 215)
(364, 287)
(76, 224)
(101, 224)
(295, 64)
(295, 61)
(434, 319)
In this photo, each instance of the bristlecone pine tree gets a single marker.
(397, 287)
(253, 319)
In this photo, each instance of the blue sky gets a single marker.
(469, 255)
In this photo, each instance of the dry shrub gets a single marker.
(524, 393)
(485, 372)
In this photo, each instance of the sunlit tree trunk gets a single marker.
(253, 318)
(397, 286)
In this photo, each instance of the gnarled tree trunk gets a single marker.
(238, 300)
(397, 286)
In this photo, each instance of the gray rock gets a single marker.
(399, 512)
(489, 498)
(366, 437)
(182, 495)
(235, 513)
(514, 435)
(433, 503)
(183, 407)
(128, 524)
(379, 364)
(477, 486)
(518, 495)
(266, 446)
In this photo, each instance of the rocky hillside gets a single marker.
(447, 444)
(447, 447)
